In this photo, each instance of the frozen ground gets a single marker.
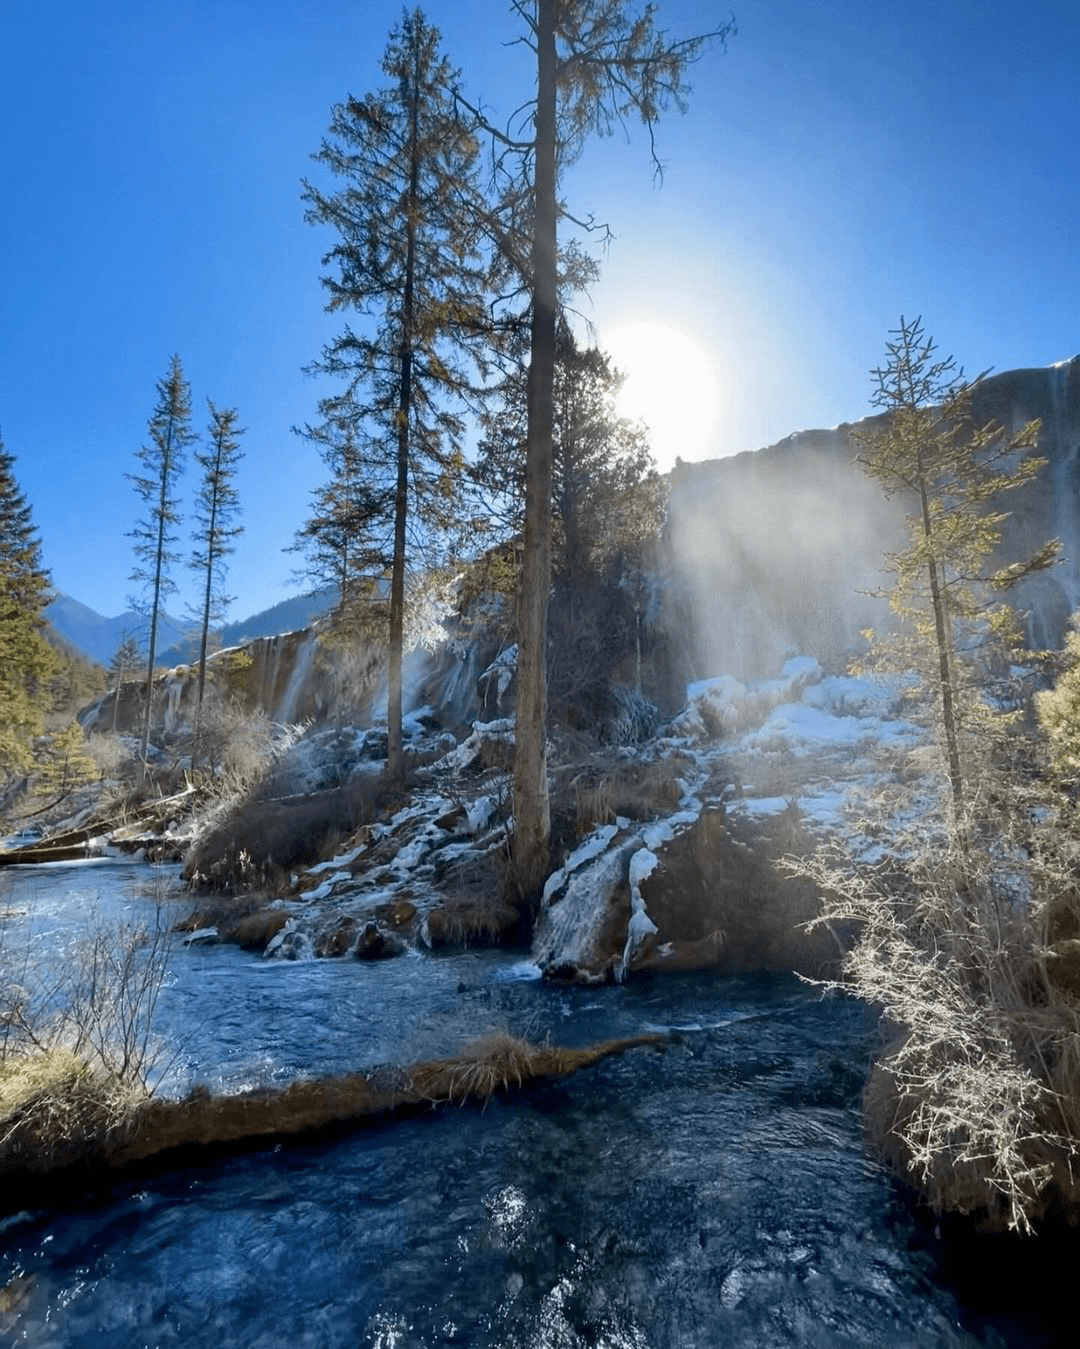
(802, 742)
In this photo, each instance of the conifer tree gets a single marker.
(346, 542)
(406, 259)
(66, 766)
(126, 661)
(603, 477)
(954, 925)
(955, 472)
(216, 509)
(27, 661)
(162, 460)
(598, 64)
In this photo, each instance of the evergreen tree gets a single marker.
(27, 661)
(605, 490)
(155, 535)
(217, 505)
(65, 765)
(597, 65)
(955, 472)
(607, 504)
(77, 681)
(406, 258)
(347, 540)
(956, 912)
(126, 662)
(1059, 711)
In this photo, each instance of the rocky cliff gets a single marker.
(772, 551)
(292, 678)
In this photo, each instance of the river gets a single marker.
(712, 1193)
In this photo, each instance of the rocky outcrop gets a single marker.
(294, 677)
(702, 893)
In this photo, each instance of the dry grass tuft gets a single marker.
(500, 1061)
(494, 1062)
(256, 843)
(607, 786)
(76, 1050)
(53, 1106)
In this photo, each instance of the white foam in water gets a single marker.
(522, 972)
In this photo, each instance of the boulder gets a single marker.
(376, 944)
(337, 940)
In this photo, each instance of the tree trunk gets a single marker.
(151, 645)
(204, 634)
(394, 750)
(531, 807)
(945, 673)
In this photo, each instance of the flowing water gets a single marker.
(712, 1193)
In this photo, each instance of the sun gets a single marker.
(670, 385)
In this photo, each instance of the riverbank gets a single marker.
(715, 1192)
(64, 1129)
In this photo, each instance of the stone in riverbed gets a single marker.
(338, 940)
(375, 944)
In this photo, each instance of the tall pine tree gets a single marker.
(597, 65)
(155, 535)
(955, 472)
(406, 259)
(27, 662)
(217, 505)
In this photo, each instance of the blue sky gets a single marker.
(843, 163)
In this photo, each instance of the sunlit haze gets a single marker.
(670, 383)
(838, 166)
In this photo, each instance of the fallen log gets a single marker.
(126, 830)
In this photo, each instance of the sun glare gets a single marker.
(670, 385)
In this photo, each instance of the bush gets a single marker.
(976, 1100)
(77, 1053)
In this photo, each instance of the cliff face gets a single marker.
(772, 551)
(290, 677)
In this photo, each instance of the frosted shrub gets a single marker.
(77, 1050)
(975, 1100)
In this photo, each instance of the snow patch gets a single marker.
(593, 846)
(500, 672)
(642, 864)
(325, 890)
(478, 814)
(472, 746)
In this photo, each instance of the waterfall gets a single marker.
(567, 932)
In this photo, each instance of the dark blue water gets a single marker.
(714, 1193)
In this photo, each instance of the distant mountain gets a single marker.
(285, 616)
(98, 637)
